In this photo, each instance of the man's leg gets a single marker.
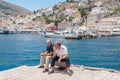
(53, 64)
(67, 63)
(53, 61)
(68, 66)
(42, 59)
(47, 62)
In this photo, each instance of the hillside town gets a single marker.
(95, 17)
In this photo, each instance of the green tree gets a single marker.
(35, 12)
(89, 1)
(56, 22)
(83, 12)
(70, 0)
(116, 11)
(67, 1)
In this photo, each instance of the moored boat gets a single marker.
(12, 31)
(1, 30)
(53, 35)
(6, 31)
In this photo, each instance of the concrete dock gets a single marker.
(78, 73)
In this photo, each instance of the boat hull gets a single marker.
(1, 31)
(53, 36)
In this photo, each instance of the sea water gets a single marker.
(24, 49)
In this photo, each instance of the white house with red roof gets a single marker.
(111, 24)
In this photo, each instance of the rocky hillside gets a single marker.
(11, 9)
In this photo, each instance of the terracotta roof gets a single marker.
(112, 19)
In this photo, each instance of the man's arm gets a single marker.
(54, 53)
(44, 54)
(50, 54)
(64, 57)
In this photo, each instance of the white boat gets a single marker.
(1, 30)
(12, 31)
(53, 35)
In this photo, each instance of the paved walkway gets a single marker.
(79, 73)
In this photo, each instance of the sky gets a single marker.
(35, 4)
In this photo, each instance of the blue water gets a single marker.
(24, 49)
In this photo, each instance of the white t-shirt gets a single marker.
(62, 51)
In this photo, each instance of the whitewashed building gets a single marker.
(99, 10)
(93, 20)
(47, 11)
(111, 24)
(69, 12)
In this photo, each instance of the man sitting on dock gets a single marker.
(60, 54)
(48, 55)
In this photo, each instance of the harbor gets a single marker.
(81, 36)
(60, 34)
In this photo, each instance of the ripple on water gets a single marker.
(25, 49)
